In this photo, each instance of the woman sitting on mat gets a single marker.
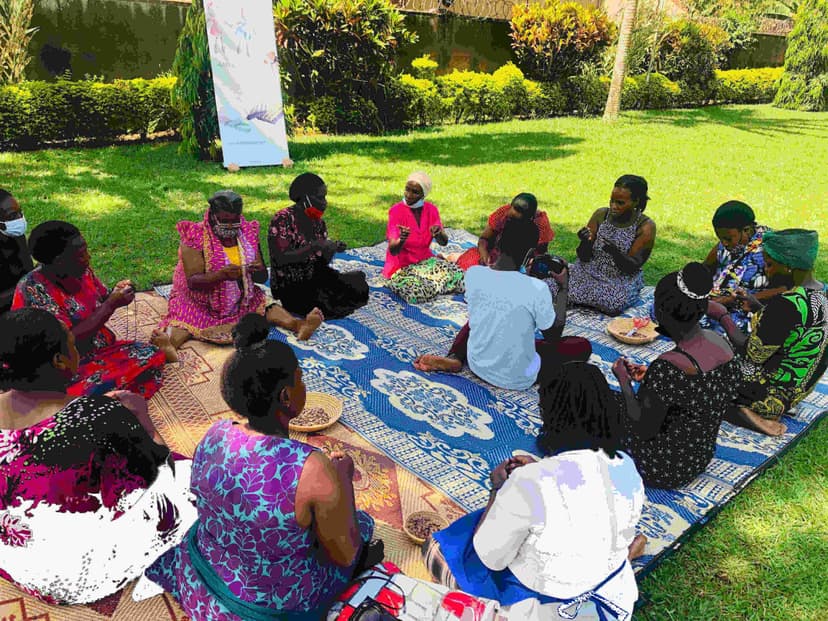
(673, 421)
(278, 535)
(737, 261)
(300, 252)
(614, 246)
(65, 285)
(15, 259)
(87, 499)
(557, 532)
(219, 264)
(506, 307)
(522, 206)
(786, 351)
(415, 274)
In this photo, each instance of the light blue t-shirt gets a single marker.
(505, 309)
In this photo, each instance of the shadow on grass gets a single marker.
(749, 119)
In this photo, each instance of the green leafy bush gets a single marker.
(340, 48)
(424, 67)
(474, 97)
(804, 84)
(36, 113)
(688, 57)
(193, 93)
(553, 40)
(422, 101)
(747, 85)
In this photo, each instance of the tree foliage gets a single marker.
(805, 81)
(552, 41)
(193, 94)
(15, 35)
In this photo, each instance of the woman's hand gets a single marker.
(621, 371)
(404, 232)
(585, 235)
(121, 296)
(611, 249)
(636, 371)
(562, 278)
(499, 475)
(343, 464)
(436, 231)
(716, 311)
(747, 301)
(728, 301)
(133, 402)
(484, 257)
(231, 272)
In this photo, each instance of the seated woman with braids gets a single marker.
(219, 264)
(65, 285)
(786, 352)
(615, 244)
(278, 535)
(672, 422)
(88, 499)
(558, 530)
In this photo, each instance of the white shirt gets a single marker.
(505, 309)
(564, 523)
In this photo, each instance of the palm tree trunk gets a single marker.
(614, 98)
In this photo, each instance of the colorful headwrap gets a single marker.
(421, 179)
(733, 215)
(796, 248)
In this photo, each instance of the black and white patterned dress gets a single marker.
(686, 441)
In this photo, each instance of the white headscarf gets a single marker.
(421, 179)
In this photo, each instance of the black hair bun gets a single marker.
(251, 330)
(697, 278)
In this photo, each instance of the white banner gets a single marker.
(251, 116)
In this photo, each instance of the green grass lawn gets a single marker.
(765, 556)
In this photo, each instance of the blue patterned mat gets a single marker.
(451, 430)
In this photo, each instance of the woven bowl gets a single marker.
(438, 519)
(620, 326)
(329, 403)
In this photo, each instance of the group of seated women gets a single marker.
(261, 526)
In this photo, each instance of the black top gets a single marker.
(15, 262)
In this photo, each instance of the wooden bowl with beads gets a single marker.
(321, 411)
(623, 329)
(420, 525)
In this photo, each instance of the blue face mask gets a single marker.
(416, 205)
(15, 228)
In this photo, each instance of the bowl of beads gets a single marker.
(421, 524)
(633, 330)
(321, 411)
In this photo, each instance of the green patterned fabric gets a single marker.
(782, 375)
(424, 281)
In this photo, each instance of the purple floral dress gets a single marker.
(245, 486)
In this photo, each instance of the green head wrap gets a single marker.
(796, 248)
(733, 215)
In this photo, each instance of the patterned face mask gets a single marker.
(227, 231)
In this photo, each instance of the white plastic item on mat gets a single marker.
(425, 601)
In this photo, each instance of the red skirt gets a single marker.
(122, 365)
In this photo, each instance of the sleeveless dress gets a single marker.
(245, 488)
(599, 283)
(686, 442)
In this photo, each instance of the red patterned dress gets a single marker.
(106, 363)
(497, 221)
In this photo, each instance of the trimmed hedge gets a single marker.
(36, 113)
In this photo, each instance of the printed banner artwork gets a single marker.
(246, 80)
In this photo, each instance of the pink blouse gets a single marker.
(418, 245)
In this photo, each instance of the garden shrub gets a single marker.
(37, 113)
(747, 85)
(422, 101)
(193, 93)
(804, 84)
(687, 57)
(473, 97)
(341, 48)
(552, 41)
(424, 67)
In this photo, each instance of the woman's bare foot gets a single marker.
(437, 363)
(452, 257)
(162, 341)
(637, 546)
(763, 425)
(311, 322)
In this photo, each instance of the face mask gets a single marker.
(416, 205)
(226, 231)
(15, 228)
(313, 213)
